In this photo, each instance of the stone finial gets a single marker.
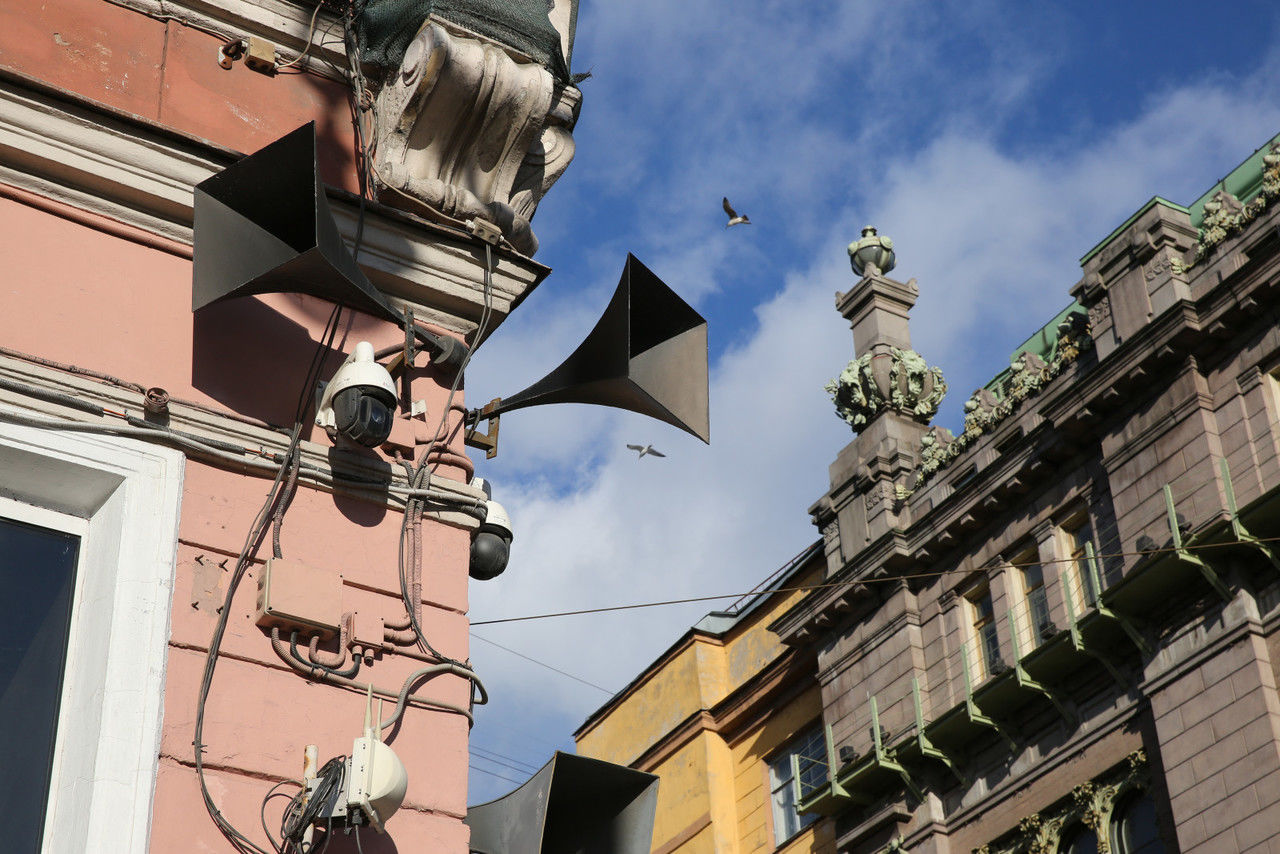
(872, 254)
(893, 380)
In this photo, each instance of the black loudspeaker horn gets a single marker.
(263, 225)
(647, 353)
(573, 805)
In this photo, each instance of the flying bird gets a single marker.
(646, 449)
(734, 217)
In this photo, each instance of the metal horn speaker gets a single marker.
(263, 225)
(573, 805)
(647, 353)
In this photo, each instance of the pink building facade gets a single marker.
(110, 114)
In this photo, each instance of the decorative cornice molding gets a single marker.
(141, 175)
(1029, 375)
(1225, 215)
(204, 423)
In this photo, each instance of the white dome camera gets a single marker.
(491, 545)
(360, 401)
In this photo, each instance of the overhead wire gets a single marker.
(892, 579)
(543, 664)
(495, 774)
(494, 756)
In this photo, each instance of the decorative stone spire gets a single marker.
(887, 376)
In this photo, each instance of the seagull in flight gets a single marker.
(734, 217)
(646, 449)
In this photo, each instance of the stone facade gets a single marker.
(1070, 613)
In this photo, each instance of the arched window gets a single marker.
(1078, 839)
(1134, 829)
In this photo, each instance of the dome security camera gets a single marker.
(491, 544)
(360, 401)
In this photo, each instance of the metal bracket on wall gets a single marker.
(927, 747)
(1077, 639)
(1237, 527)
(884, 758)
(1091, 561)
(971, 709)
(1184, 554)
(1024, 678)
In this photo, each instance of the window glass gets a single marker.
(1033, 582)
(984, 631)
(1135, 828)
(1078, 839)
(811, 752)
(1083, 575)
(37, 573)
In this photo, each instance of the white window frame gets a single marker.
(123, 498)
(783, 791)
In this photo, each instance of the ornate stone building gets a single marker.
(1059, 631)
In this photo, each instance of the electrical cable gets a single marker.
(262, 812)
(420, 478)
(432, 671)
(344, 674)
(894, 579)
(311, 29)
(268, 463)
(495, 774)
(312, 671)
(544, 664)
(494, 756)
(296, 819)
(253, 539)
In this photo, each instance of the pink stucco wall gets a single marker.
(78, 295)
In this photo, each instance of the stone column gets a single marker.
(1217, 718)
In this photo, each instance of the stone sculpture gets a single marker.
(464, 130)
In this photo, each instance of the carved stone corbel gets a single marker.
(465, 130)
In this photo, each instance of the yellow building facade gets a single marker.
(718, 717)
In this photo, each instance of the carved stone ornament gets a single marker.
(463, 130)
(1225, 215)
(1090, 803)
(1028, 375)
(894, 380)
(872, 254)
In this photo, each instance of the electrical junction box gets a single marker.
(260, 55)
(295, 596)
(367, 630)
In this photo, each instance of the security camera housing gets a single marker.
(360, 401)
(491, 545)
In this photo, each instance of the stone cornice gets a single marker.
(140, 174)
(781, 680)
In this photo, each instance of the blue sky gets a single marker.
(995, 142)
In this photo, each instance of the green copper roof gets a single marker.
(1244, 182)
(1042, 344)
